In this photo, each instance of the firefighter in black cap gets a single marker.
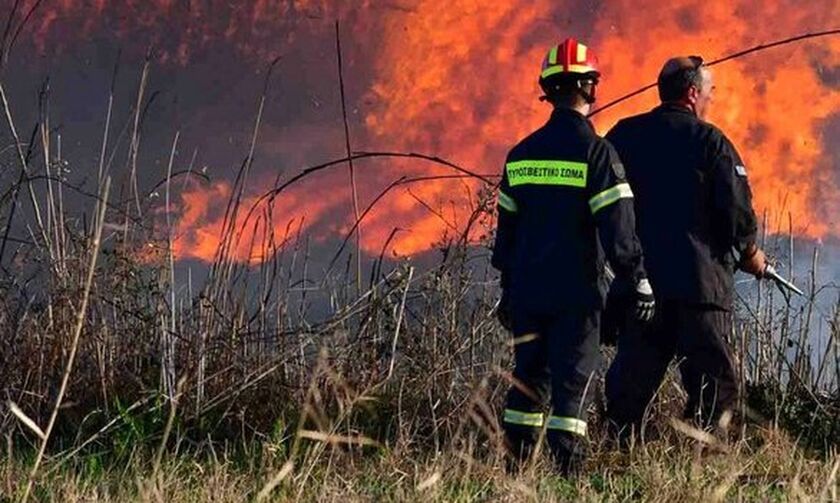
(696, 224)
(564, 206)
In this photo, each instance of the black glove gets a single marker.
(645, 302)
(503, 311)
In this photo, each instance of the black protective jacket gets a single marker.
(564, 206)
(693, 202)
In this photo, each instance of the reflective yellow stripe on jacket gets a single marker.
(610, 196)
(546, 172)
(507, 202)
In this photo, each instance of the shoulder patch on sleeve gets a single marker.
(618, 170)
(741, 170)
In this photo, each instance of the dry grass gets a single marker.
(772, 469)
(283, 382)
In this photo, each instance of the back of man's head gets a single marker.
(564, 90)
(677, 76)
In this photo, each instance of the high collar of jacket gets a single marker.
(563, 113)
(675, 108)
(566, 112)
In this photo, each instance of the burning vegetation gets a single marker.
(458, 79)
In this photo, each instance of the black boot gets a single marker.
(520, 443)
(568, 452)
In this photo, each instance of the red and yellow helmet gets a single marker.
(570, 58)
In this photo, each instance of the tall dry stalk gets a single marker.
(168, 333)
(134, 148)
(95, 243)
(349, 152)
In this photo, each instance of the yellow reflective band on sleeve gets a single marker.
(507, 202)
(545, 172)
(570, 424)
(610, 196)
(534, 419)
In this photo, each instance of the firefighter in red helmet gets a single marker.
(564, 209)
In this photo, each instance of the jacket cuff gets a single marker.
(746, 249)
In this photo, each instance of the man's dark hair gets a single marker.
(565, 90)
(677, 77)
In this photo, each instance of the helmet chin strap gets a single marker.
(588, 97)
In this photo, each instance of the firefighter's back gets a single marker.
(556, 257)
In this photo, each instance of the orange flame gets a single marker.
(474, 87)
(203, 224)
(457, 78)
(773, 104)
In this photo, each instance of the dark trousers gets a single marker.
(556, 356)
(696, 336)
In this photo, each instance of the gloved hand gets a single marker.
(503, 311)
(753, 261)
(645, 302)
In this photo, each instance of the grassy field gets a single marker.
(768, 468)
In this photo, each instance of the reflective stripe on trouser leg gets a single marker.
(523, 418)
(574, 355)
(568, 424)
